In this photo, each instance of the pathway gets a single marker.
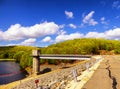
(107, 75)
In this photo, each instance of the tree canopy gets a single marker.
(22, 54)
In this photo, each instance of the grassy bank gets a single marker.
(7, 60)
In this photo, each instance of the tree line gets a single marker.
(83, 46)
(23, 54)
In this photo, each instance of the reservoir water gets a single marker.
(9, 72)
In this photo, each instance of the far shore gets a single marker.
(7, 60)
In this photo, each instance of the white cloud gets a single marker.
(29, 41)
(62, 26)
(116, 4)
(109, 34)
(88, 17)
(17, 32)
(73, 26)
(64, 37)
(62, 32)
(11, 45)
(112, 34)
(94, 35)
(69, 14)
(89, 20)
(47, 39)
(1, 35)
(103, 21)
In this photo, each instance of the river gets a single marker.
(9, 72)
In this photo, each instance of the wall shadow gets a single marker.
(45, 70)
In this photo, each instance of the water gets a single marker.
(9, 72)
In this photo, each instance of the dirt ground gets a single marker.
(44, 68)
(107, 76)
(47, 67)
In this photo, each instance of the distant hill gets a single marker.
(84, 46)
(22, 54)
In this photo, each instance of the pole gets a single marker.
(36, 61)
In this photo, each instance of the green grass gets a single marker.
(7, 60)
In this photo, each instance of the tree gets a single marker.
(17, 56)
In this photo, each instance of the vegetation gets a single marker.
(5, 60)
(84, 46)
(22, 54)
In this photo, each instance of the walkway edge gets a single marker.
(86, 75)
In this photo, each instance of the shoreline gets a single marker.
(6, 60)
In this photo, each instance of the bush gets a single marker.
(26, 60)
(5, 55)
(51, 61)
(42, 61)
(17, 56)
(117, 49)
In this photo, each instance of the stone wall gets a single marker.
(57, 79)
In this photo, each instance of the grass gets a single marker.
(5, 60)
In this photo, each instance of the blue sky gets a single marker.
(45, 22)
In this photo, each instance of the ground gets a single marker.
(44, 68)
(107, 76)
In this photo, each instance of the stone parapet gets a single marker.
(57, 79)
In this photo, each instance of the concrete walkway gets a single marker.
(85, 76)
(107, 75)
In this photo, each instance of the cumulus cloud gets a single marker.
(29, 41)
(11, 45)
(47, 39)
(109, 34)
(72, 26)
(112, 34)
(17, 32)
(88, 19)
(69, 14)
(64, 37)
(116, 4)
(1, 35)
(94, 35)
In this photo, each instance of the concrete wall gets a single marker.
(56, 79)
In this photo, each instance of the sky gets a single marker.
(44, 22)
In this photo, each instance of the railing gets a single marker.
(37, 56)
(58, 79)
(67, 57)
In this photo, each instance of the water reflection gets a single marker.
(9, 72)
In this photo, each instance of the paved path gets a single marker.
(85, 76)
(107, 76)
